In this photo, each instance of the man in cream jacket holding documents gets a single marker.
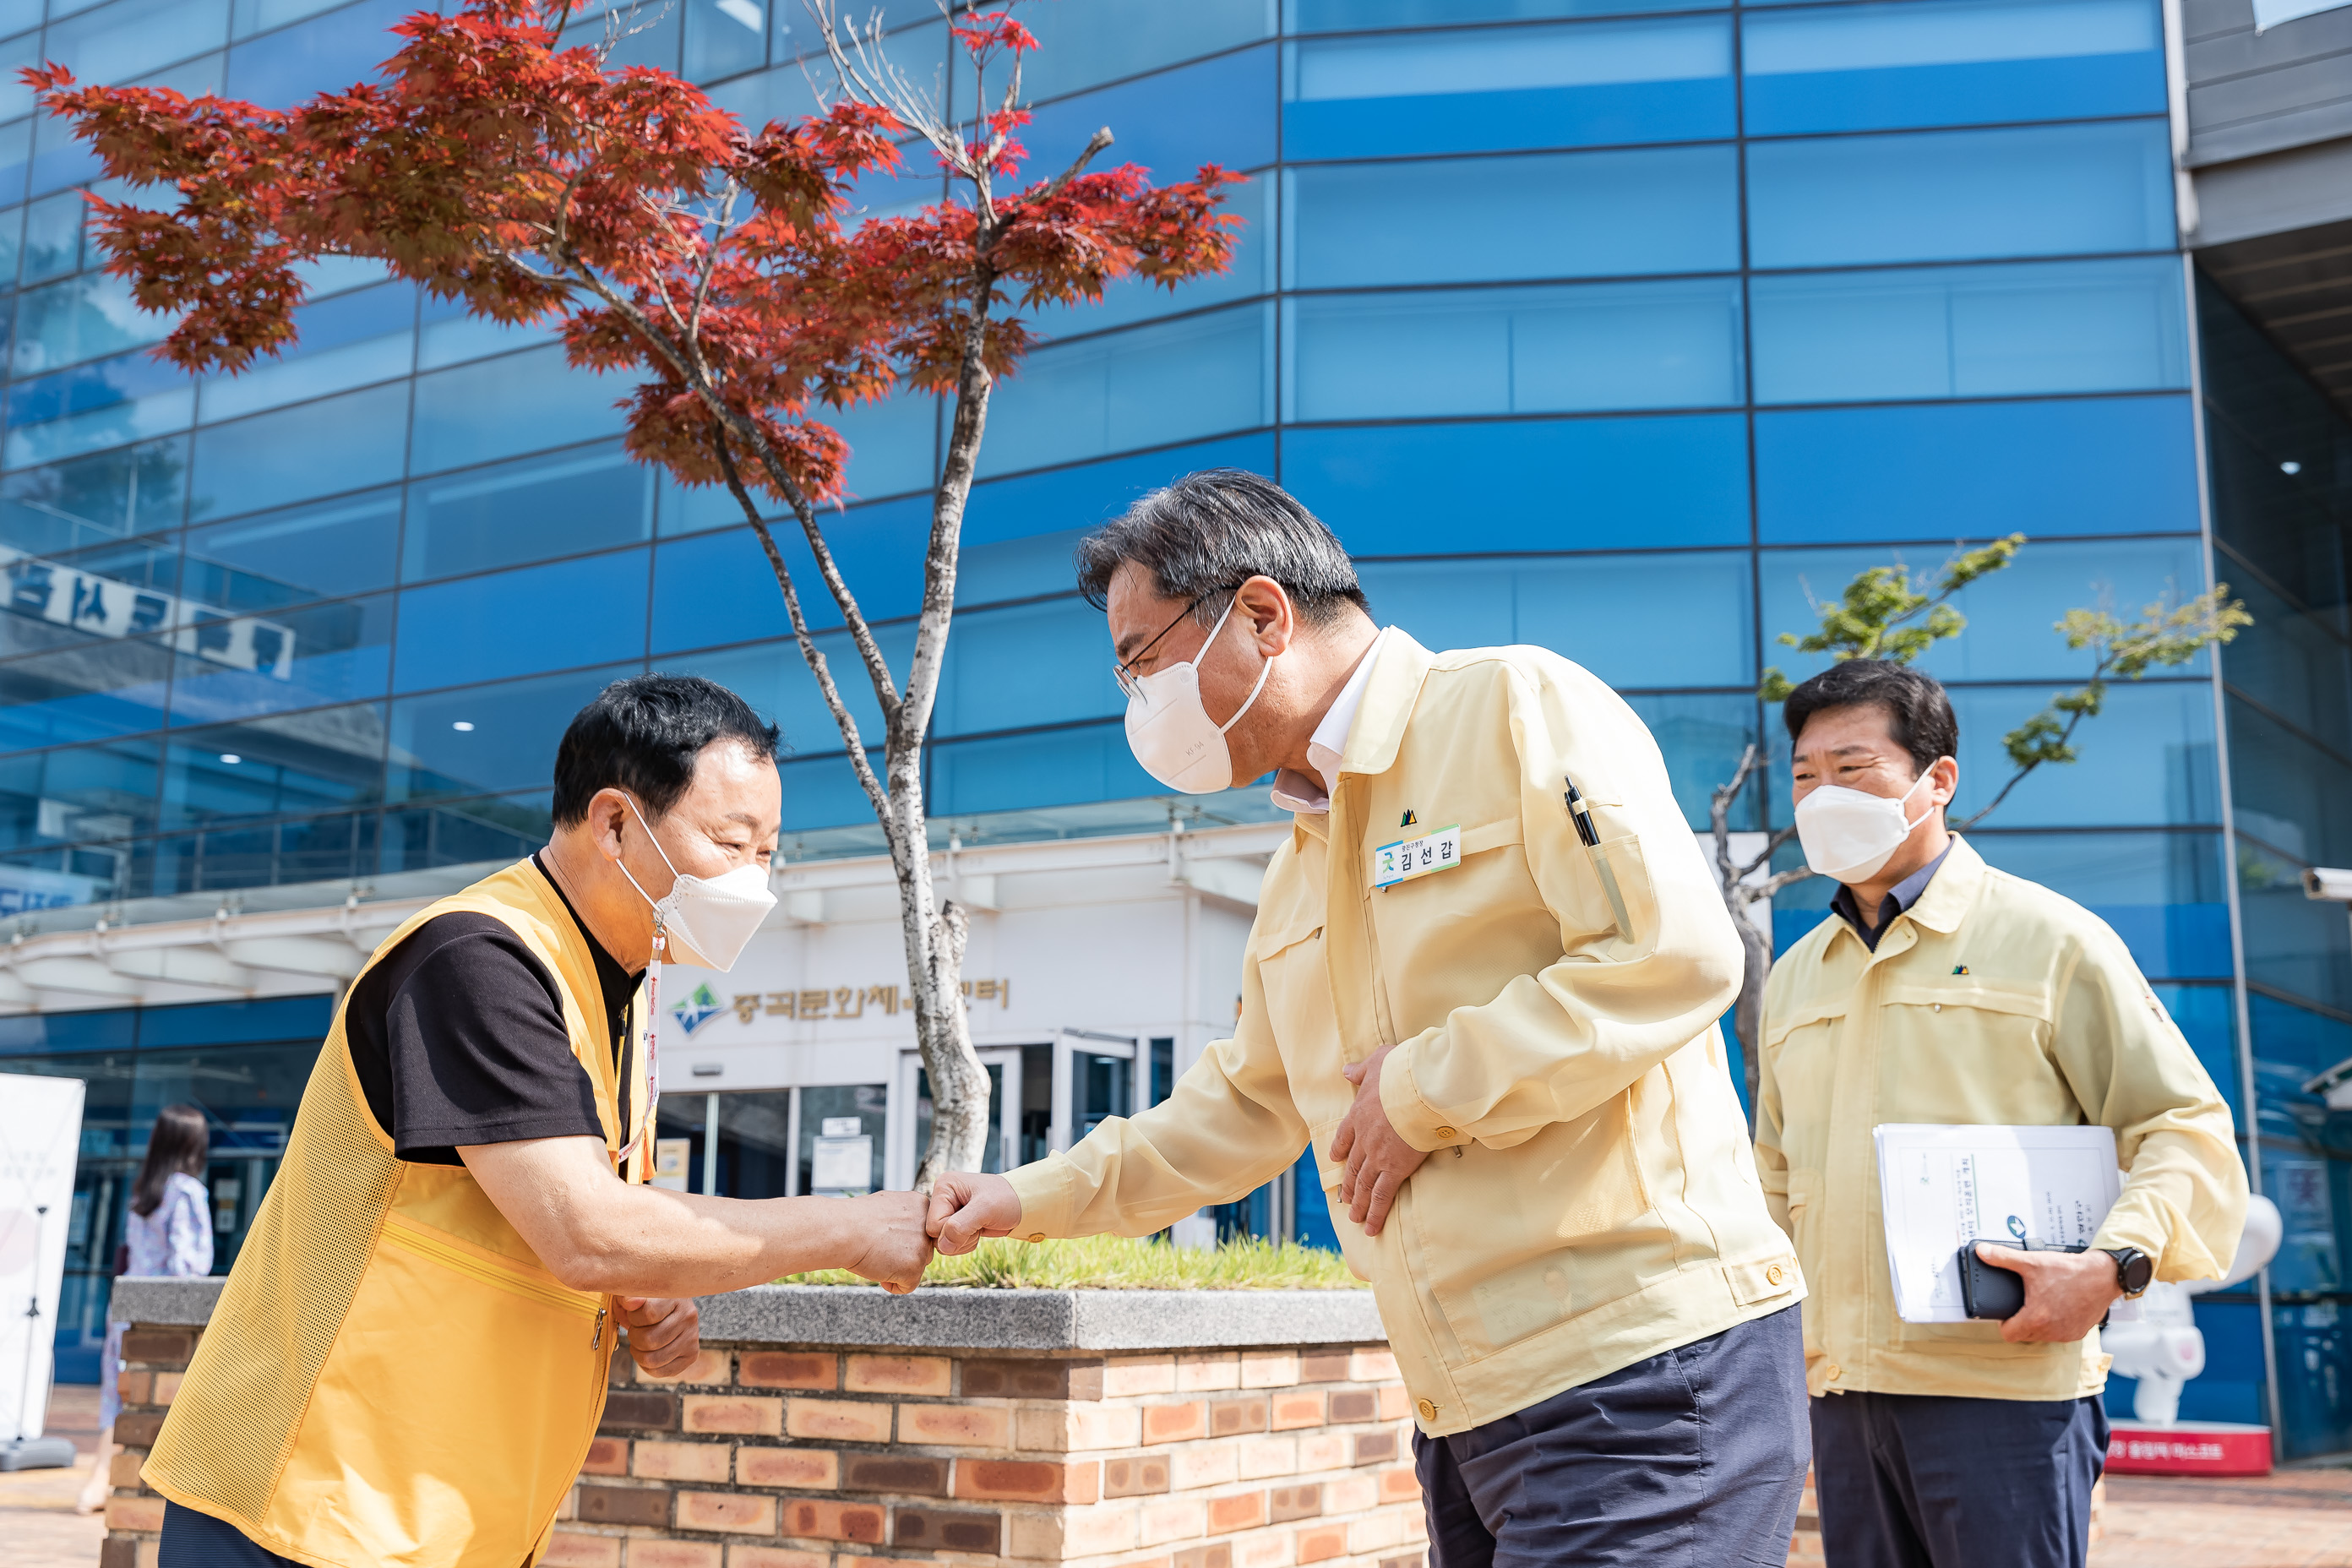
(1493, 1016)
(1942, 991)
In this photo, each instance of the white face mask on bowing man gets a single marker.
(1860, 808)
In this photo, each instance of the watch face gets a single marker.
(2134, 1268)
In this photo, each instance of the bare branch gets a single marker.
(1094, 143)
(1764, 856)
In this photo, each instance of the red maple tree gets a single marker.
(726, 268)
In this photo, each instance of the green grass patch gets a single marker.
(1124, 1263)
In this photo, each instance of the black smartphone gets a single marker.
(1989, 1290)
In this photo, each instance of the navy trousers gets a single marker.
(193, 1539)
(1920, 1480)
(1695, 1457)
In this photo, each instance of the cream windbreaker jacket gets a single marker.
(1592, 1200)
(1992, 1000)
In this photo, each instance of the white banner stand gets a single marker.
(40, 1132)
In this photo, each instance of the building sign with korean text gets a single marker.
(108, 607)
(839, 1002)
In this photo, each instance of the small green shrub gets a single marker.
(1124, 1263)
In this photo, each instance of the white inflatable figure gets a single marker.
(2164, 1348)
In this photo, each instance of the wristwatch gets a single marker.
(2134, 1270)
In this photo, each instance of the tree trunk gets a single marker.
(1747, 1012)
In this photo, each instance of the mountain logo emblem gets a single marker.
(697, 1009)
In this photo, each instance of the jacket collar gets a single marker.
(1399, 666)
(1953, 891)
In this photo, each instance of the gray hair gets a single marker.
(1205, 535)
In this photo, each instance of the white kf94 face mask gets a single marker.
(703, 920)
(1169, 727)
(1849, 834)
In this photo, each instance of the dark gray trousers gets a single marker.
(1923, 1480)
(1695, 1457)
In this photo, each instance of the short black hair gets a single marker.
(1919, 714)
(1208, 534)
(643, 736)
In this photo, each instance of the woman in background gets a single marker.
(169, 1232)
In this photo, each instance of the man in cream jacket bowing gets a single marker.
(1495, 1021)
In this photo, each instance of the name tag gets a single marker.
(1410, 858)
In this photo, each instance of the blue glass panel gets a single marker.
(2146, 760)
(304, 1018)
(95, 406)
(63, 601)
(1105, 40)
(1058, 767)
(1868, 67)
(1579, 85)
(1576, 215)
(2207, 1017)
(12, 227)
(53, 236)
(2088, 466)
(351, 340)
(15, 159)
(79, 319)
(69, 506)
(1146, 387)
(1601, 611)
(1018, 533)
(339, 444)
(69, 1032)
(2293, 1045)
(775, 680)
(475, 831)
(266, 563)
(326, 55)
(487, 738)
(62, 159)
(590, 611)
(303, 763)
(131, 38)
(1218, 112)
(822, 792)
(590, 498)
(301, 657)
(1702, 738)
(249, 16)
(1580, 484)
(2303, 673)
(328, 275)
(725, 37)
(2162, 892)
(2017, 330)
(82, 694)
(1351, 16)
(918, 40)
(448, 334)
(637, 35)
(1958, 196)
(1552, 350)
(891, 452)
(502, 408)
(2010, 614)
(1135, 299)
(16, 96)
(717, 588)
(1026, 664)
(77, 793)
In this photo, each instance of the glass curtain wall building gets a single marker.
(1628, 329)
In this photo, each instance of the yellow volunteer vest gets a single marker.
(391, 1376)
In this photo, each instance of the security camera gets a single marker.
(2333, 882)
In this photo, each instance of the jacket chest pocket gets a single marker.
(1802, 1054)
(1294, 972)
(1970, 1053)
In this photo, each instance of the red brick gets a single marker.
(1323, 1366)
(138, 1428)
(634, 1411)
(1230, 1417)
(810, 1518)
(788, 1369)
(571, 1548)
(1028, 1480)
(1269, 1369)
(935, 1529)
(624, 1505)
(1134, 1477)
(773, 1557)
(1175, 1422)
(657, 1553)
(1372, 1448)
(1396, 1402)
(842, 1420)
(1227, 1514)
(973, 1426)
(167, 1387)
(1220, 1555)
(809, 1469)
(134, 1513)
(905, 1473)
(1294, 1502)
(1126, 1375)
(1415, 1560)
(1355, 1405)
(606, 1457)
(737, 1413)
(1400, 1485)
(922, 1374)
(1295, 1410)
(681, 1461)
(1033, 1378)
(1313, 1545)
(709, 1368)
(119, 1551)
(134, 1387)
(161, 1347)
(1208, 1372)
(1372, 1363)
(738, 1513)
(122, 1471)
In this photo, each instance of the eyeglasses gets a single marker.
(1131, 685)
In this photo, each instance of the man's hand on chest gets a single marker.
(1379, 1162)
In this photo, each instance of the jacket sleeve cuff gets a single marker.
(1415, 1119)
(1043, 1189)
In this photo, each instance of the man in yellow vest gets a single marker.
(409, 1360)
(1483, 986)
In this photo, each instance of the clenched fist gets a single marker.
(967, 1205)
(898, 1248)
(664, 1333)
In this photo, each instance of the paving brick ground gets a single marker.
(38, 1528)
(2296, 1519)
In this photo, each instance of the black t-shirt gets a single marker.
(457, 1037)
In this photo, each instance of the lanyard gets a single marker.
(653, 1073)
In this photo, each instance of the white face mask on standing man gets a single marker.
(1850, 833)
